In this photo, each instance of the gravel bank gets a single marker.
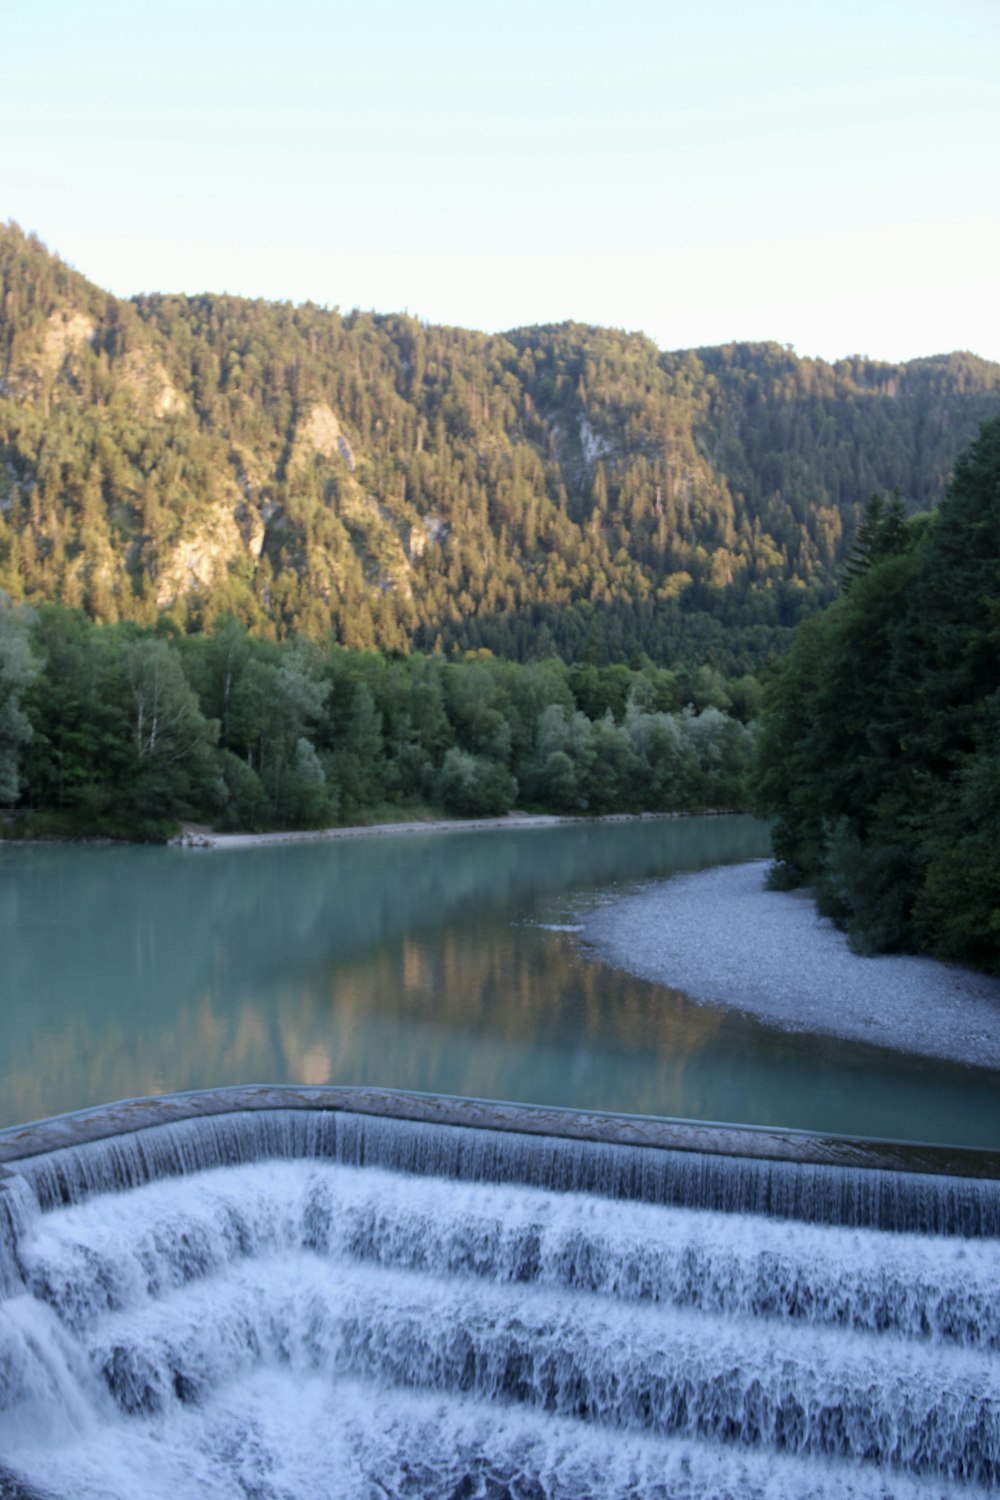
(194, 836)
(723, 938)
(199, 836)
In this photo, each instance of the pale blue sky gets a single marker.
(824, 174)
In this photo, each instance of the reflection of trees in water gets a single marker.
(507, 1015)
(445, 1012)
(111, 928)
(202, 1046)
(390, 962)
(510, 1014)
(514, 982)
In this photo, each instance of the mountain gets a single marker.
(553, 490)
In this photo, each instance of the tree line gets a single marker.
(122, 730)
(878, 752)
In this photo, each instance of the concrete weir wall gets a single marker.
(107, 1121)
(899, 1187)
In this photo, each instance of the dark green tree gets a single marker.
(877, 754)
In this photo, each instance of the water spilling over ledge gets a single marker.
(297, 1292)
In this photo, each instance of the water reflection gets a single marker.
(417, 963)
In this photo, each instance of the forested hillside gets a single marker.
(878, 756)
(566, 490)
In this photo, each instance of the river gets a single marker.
(445, 963)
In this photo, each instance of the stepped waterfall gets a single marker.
(288, 1294)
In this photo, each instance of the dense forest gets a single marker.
(878, 747)
(120, 730)
(557, 491)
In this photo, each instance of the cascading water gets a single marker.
(303, 1303)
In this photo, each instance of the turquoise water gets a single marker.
(434, 962)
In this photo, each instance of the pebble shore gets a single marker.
(725, 939)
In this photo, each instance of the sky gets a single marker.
(821, 174)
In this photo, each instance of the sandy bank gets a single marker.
(725, 939)
(194, 836)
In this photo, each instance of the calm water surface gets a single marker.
(427, 962)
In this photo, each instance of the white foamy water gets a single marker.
(287, 1329)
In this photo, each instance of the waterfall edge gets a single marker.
(126, 1117)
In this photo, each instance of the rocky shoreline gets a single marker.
(725, 939)
(195, 836)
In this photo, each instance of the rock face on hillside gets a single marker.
(565, 488)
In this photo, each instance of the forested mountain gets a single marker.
(563, 490)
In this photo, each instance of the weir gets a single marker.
(292, 1292)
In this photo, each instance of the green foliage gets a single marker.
(18, 667)
(474, 786)
(135, 729)
(560, 491)
(957, 910)
(878, 756)
(881, 533)
(246, 806)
